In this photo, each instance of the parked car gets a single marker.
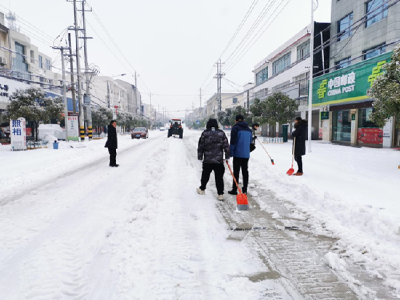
(140, 133)
(176, 128)
(162, 128)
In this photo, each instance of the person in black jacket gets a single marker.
(300, 133)
(212, 145)
(112, 143)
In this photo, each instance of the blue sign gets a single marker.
(198, 122)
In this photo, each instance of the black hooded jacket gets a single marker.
(112, 141)
(300, 133)
(212, 144)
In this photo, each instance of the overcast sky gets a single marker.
(172, 44)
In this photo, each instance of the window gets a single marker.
(343, 63)
(344, 27)
(40, 62)
(281, 64)
(302, 81)
(32, 56)
(303, 50)
(234, 100)
(48, 65)
(262, 76)
(20, 64)
(378, 50)
(376, 14)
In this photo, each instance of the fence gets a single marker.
(273, 140)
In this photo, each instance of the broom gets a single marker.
(241, 199)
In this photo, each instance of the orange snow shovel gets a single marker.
(291, 170)
(272, 161)
(241, 199)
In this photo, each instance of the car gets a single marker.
(175, 128)
(162, 128)
(140, 133)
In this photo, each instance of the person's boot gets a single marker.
(200, 191)
(232, 192)
(298, 174)
(220, 197)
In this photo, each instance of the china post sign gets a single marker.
(18, 134)
(348, 84)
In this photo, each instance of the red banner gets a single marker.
(370, 136)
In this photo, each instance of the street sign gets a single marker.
(73, 128)
(324, 115)
(198, 122)
(18, 134)
(353, 117)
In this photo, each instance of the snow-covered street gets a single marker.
(71, 227)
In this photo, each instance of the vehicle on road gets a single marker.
(175, 128)
(140, 133)
(162, 128)
(3, 138)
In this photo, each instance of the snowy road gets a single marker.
(133, 232)
(82, 230)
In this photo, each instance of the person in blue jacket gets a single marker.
(241, 138)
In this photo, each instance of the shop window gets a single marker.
(376, 14)
(344, 27)
(341, 129)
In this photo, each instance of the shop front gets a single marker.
(342, 97)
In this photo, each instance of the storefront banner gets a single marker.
(7, 87)
(373, 136)
(18, 134)
(73, 128)
(348, 84)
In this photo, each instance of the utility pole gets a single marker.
(310, 92)
(78, 70)
(71, 66)
(88, 115)
(137, 97)
(219, 85)
(64, 91)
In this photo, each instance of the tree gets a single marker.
(101, 117)
(277, 108)
(33, 105)
(385, 90)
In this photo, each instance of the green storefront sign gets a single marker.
(348, 84)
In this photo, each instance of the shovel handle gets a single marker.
(294, 149)
(264, 148)
(237, 185)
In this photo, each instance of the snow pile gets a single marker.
(347, 193)
(51, 130)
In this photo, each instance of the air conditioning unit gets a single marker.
(3, 61)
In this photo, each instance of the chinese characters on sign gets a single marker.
(18, 134)
(338, 85)
(73, 128)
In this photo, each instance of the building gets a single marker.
(363, 35)
(287, 70)
(133, 95)
(227, 100)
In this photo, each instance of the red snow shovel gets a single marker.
(272, 161)
(291, 170)
(241, 199)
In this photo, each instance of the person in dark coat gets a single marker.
(212, 145)
(241, 139)
(112, 143)
(300, 133)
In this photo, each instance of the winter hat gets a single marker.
(212, 123)
(239, 117)
(298, 119)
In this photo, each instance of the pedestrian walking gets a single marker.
(254, 137)
(241, 139)
(112, 143)
(300, 133)
(212, 145)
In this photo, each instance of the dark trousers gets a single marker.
(113, 156)
(241, 163)
(299, 163)
(219, 171)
